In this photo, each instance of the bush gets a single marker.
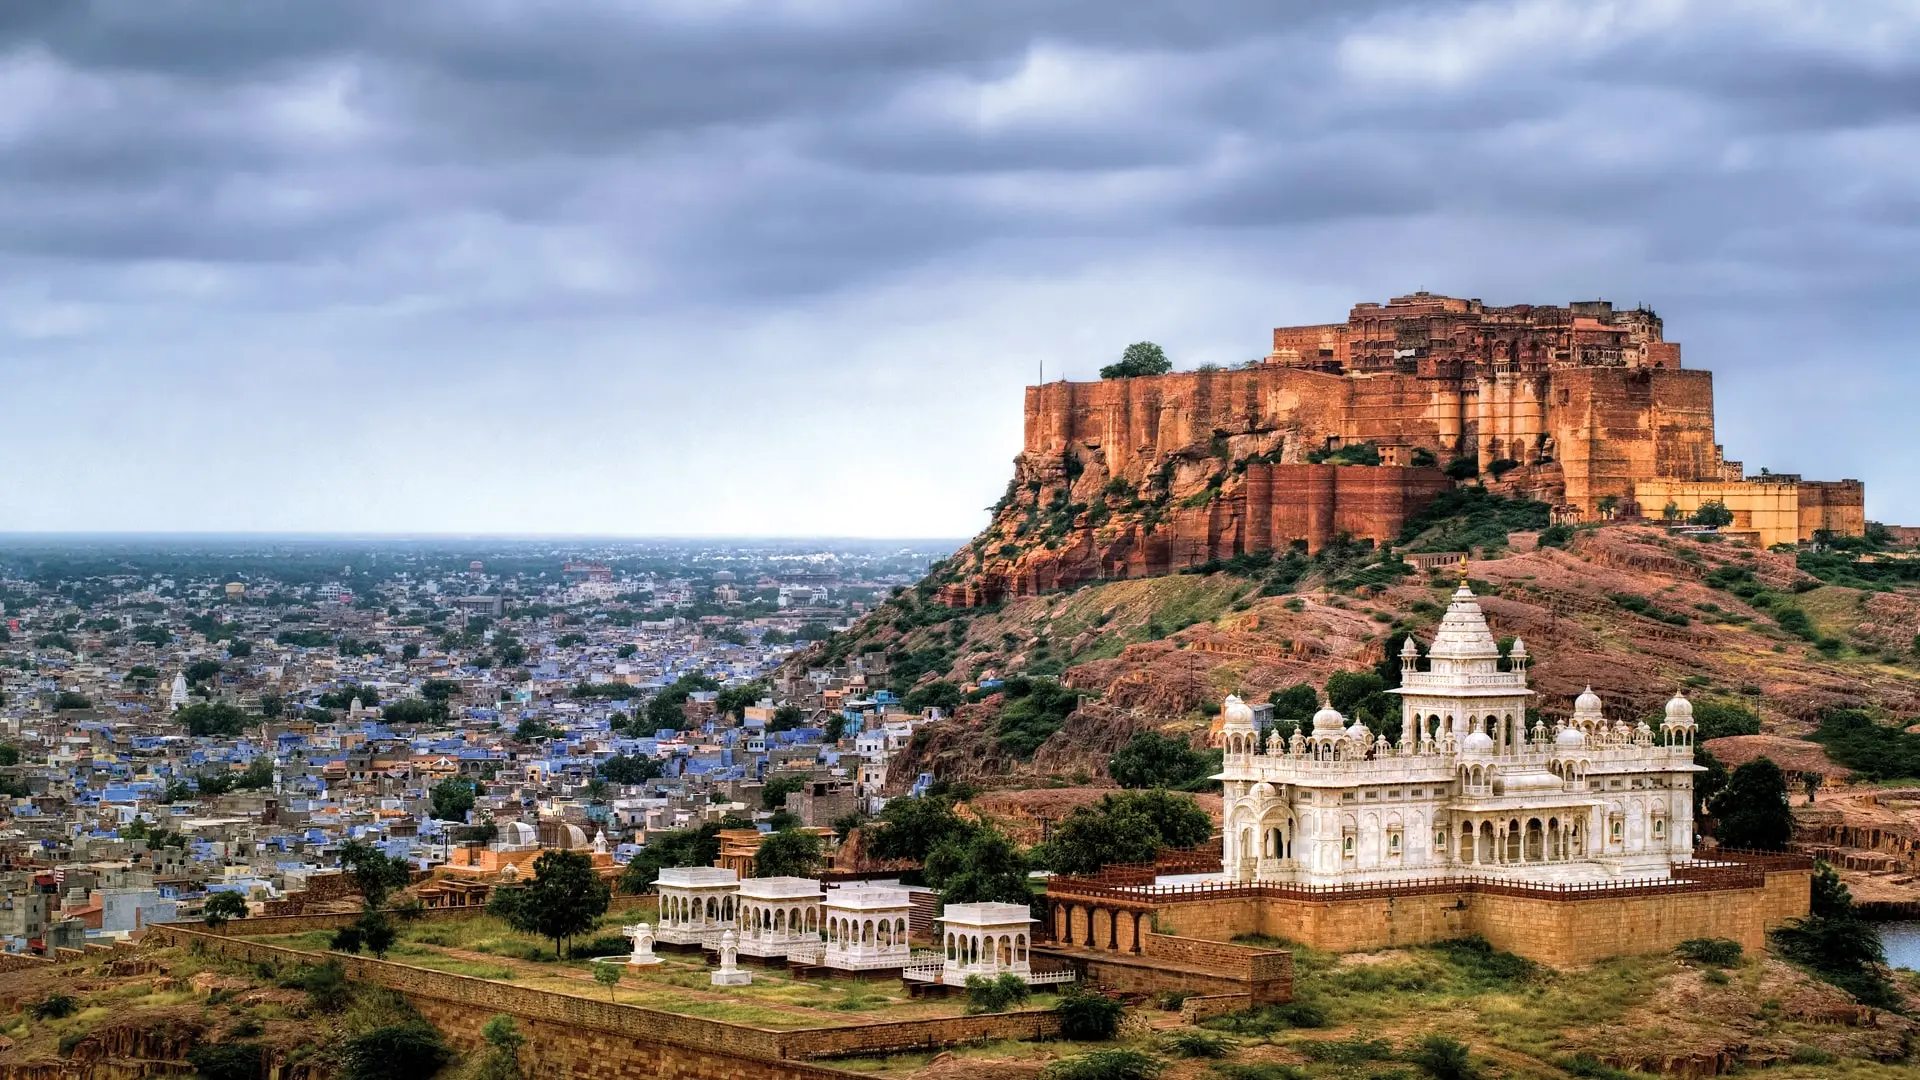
(55, 1006)
(327, 988)
(1586, 1065)
(1715, 952)
(1190, 1043)
(996, 995)
(1556, 536)
(1443, 1058)
(1087, 1015)
(1269, 1019)
(1106, 1065)
(395, 1052)
(1354, 1051)
(228, 1061)
(1482, 963)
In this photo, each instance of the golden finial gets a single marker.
(1463, 570)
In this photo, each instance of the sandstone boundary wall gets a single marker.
(579, 1037)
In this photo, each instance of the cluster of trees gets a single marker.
(1122, 828)
(967, 861)
(623, 769)
(213, 718)
(1032, 711)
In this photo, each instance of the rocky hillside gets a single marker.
(1630, 610)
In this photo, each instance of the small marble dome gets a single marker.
(1570, 737)
(1236, 713)
(1262, 790)
(1519, 650)
(1587, 704)
(1679, 710)
(1477, 742)
(1359, 731)
(1409, 650)
(1328, 721)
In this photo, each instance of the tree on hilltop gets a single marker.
(1140, 358)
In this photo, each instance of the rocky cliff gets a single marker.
(1138, 477)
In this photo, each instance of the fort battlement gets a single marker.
(1583, 406)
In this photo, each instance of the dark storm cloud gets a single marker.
(288, 195)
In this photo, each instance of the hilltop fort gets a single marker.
(1350, 428)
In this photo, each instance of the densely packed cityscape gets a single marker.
(184, 719)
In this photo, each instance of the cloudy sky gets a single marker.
(711, 267)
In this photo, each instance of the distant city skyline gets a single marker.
(729, 271)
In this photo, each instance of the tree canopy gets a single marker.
(773, 795)
(787, 853)
(1124, 827)
(562, 901)
(1753, 811)
(212, 718)
(1151, 760)
(625, 769)
(980, 866)
(1139, 358)
(452, 798)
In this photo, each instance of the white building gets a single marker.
(866, 928)
(778, 915)
(1470, 789)
(697, 903)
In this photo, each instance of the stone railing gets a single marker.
(924, 965)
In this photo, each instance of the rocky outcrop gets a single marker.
(1138, 477)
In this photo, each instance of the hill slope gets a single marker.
(1631, 611)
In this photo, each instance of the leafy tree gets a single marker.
(1151, 759)
(1837, 945)
(375, 873)
(68, 699)
(787, 853)
(212, 718)
(201, 670)
(222, 907)
(1033, 709)
(452, 798)
(734, 700)
(271, 705)
(608, 975)
(996, 995)
(909, 829)
(623, 769)
(1297, 702)
(786, 718)
(415, 711)
(1753, 811)
(406, 1051)
(1088, 1015)
(681, 847)
(941, 694)
(626, 651)
(1125, 827)
(1139, 358)
(1716, 719)
(503, 1041)
(9, 754)
(981, 866)
(244, 1060)
(665, 710)
(533, 730)
(562, 901)
(773, 795)
(1671, 511)
(1713, 514)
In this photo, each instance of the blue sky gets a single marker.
(783, 268)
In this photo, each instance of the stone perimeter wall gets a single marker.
(578, 1038)
(1561, 933)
